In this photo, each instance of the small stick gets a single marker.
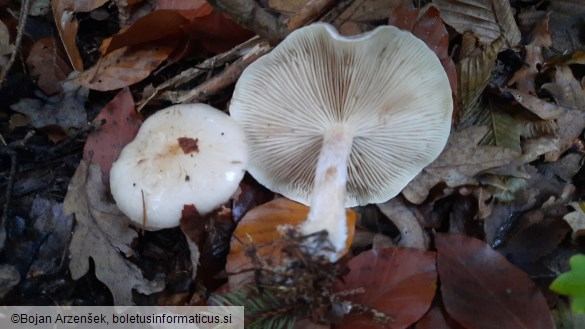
(24, 9)
(194, 72)
(220, 81)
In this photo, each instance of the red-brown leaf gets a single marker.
(120, 126)
(126, 66)
(437, 319)
(46, 62)
(482, 290)
(429, 28)
(398, 282)
(154, 26)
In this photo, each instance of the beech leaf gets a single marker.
(398, 282)
(459, 163)
(260, 227)
(488, 20)
(482, 290)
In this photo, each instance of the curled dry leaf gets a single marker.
(128, 65)
(406, 220)
(569, 94)
(481, 289)
(488, 20)
(260, 227)
(576, 219)
(47, 64)
(525, 76)
(459, 163)
(398, 282)
(67, 25)
(102, 233)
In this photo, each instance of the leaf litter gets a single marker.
(510, 175)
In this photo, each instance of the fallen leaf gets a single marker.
(260, 227)
(474, 69)
(102, 233)
(569, 94)
(67, 25)
(576, 218)
(63, 111)
(537, 240)
(524, 78)
(571, 284)
(503, 131)
(6, 47)
(397, 282)
(481, 289)
(361, 16)
(543, 109)
(54, 227)
(126, 66)
(427, 25)
(459, 163)
(119, 124)
(46, 63)
(488, 20)
(437, 318)
(152, 27)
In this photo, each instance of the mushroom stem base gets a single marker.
(328, 195)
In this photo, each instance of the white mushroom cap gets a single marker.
(385, 88)
(190, 154)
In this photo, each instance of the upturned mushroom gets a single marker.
(189, 154)
(336, 122)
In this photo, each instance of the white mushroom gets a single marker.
(336, 121)
(190, 154)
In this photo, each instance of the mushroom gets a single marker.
(335, 121)
(182, 155)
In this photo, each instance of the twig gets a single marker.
(24, 9)
(251, 16)
(220, 81)
(201, 68)
(307, 14)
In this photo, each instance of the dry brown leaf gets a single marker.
(406, 220)
(459, 163)
(62, 111)
(568, 93)
(67, 25)
(524, 78)
(488, 20)
(6, 47)
(543, 109)
(361, 16)
(260, 227)
(46, 63)
(102, 232)
(474, 73)
(576, 219)
(128, 65)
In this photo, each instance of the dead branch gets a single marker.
(250, 15)
(228, 76)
